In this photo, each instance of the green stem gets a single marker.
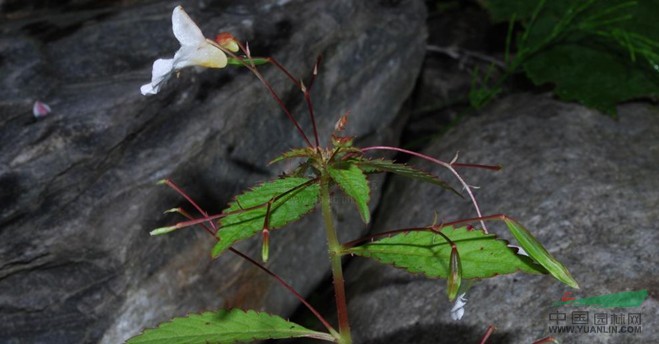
(335, 252)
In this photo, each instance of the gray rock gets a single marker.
(583, 183)
(77, 189)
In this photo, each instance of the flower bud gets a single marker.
(265, 248)
(455, 274)
(226, 40)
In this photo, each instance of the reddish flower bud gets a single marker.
(226, 40)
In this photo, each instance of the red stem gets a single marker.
(267, 85)
(488, 333)
(546, 340)
(287, 286)
(241, 210)
(242, 255)
(438, 162)
(305, 91)
(282, 105)
(307, 98)
(176, 188)
(372, 237)
(486, 167)
(295, 81)
(314, 73)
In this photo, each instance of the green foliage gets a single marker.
(454, 254)
(481, 90)
(481, 255)
(224, 326)
(353, 182)
(383, 165)
(290, 199)
(536, 251)
(294, 153)
(599, 53)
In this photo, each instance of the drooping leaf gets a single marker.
(292, 197)
(481, 255)
(223, 327)
(383, 165)
(536, 251)
(293, 153)
(353, 182)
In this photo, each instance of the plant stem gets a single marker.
(446, 165)
(213, 231)
(335, 252)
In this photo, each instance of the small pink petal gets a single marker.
(40, 109)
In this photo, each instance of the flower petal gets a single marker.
(185, 30)
(458, 309)
(204, 55)
(162, 70)
(40, 109)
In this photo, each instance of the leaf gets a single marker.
(382, 165)
(599, 53)
(503, 10)
(293, 200)
(293, 153)
(536, 251)
(594, 76)
(353, 182)
(225, 326)
(481, 255)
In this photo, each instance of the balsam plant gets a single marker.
(455, 251)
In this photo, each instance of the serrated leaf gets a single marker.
(481, 255)
(225, 326)
(536, 251)
(353, 182)
(287, 208)
(382, 165)
(293, 153)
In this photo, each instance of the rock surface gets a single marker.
(77, 190)
(583, 183)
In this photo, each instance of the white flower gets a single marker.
(195, 50)
(458, 309)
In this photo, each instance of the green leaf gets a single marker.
(293, 153)
(536, 251)
(225, 326)
(596, 77)
(354, 183)
(293, 197)
(481, 255)
(503, 10)
(599, 53)
(382, 165)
